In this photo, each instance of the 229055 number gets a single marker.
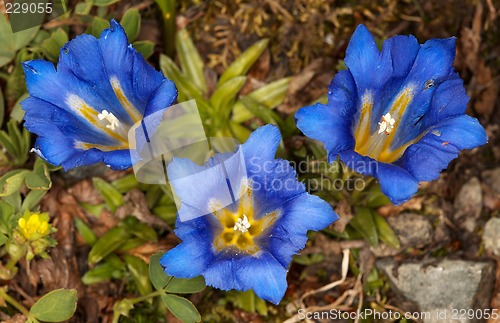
(28, 7)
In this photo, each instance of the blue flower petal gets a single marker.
(364, 61)
(163, 97)
(264, 274)
(197, 185)
(440, 145)
(320, 122)
(262, 144)
(395, 182)
(189, 259)
(220, 274)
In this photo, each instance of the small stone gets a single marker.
(413, 231)
(491, 236)
(442, 285)
(468, 205)
(492, 179)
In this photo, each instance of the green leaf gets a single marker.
(262, 112)
(51, 46)
(225, 94)
(243, 63)
(12, 42)
(112, 267)
(131, 22)
(3, 239)
(270, 95)
(125, 183)
(12, 181)
(83, 8)
(385, 232)
(109, 193)
(104, 3)
(17, 112)
(56, 306)
(363, 223)
(157, 275)
(109, 242)
(186, 286)
(39, 178)
(249, 302)
(190, 59)
(307, 260)
(85, 231)
(139, 270)
(241, 133)
(32, 199)
(181, 307)
(98, 25)
(141, 230)
(145, 47)
(2, 107)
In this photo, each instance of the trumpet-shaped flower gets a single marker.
(248, 243)
(396, 114)
(82, 111)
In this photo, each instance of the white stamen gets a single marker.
(109, 117)
(242, 224)
(386, 124)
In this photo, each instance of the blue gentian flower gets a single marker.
(82, 111)
(249, 243)
(397, 115)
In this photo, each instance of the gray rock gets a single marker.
(492, 179)
(413, 230)
(439, 287)
(491, 236)
(468, 205)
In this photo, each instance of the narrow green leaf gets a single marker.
(12, 181)
(24, 37)
(32, 199)
(270, 95)
(125, 183)
(385, 232)
(104, 3)
(7, 143)
(109, 242)
(85, 231)
(190, 59)
(56, 306)
(225, 94)
(139, 270)
(7, 50)
(186, 286)
(262, 112)
(140, 230)
(241, 133)
(157, 275)
(101, 273)
(109, 193)
(131, 22)
(168, 8)
(182, 308)
(363, 223)
(243, 63)
(83, 8)
(3, 239)
(145, 47)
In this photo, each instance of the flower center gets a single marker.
(377, 145)
(386, 124)
(240, 229)
(113, 121)
(242, 224)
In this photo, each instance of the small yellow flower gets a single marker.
(34, 226)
